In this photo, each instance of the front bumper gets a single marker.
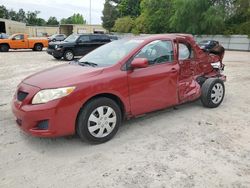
(55, 53)
(59, 116)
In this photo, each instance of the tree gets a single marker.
(110, 14)
(33, 20)
(52, 21)
(78, 19)
(74, 19)
(124, 25)
(4, 13)
(197, 17)
(13, 15)
(21, 16)
(154, 16)
(129, 8)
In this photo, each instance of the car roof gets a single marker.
(171, 36)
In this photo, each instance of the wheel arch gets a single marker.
(38, 43)
(111, 96)
(5, 44)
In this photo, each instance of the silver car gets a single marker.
(57, 37)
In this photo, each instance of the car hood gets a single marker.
(61, 43)
(62, 76)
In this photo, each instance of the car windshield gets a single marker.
(10, 37)
(71, 38)
(112, 52)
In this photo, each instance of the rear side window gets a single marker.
(95, 38)
(184, 52)
(157, 52)
(84, 38)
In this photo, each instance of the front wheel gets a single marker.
(68, 55)
(4, 48)
(213, 91)
(99, 120)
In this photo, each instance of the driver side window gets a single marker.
(157, 52)
(18, 37)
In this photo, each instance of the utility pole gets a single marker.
(89, 12)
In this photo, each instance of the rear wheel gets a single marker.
(38, 47)
(99, 120)
(68, 55)
(213, 91)
(4, 48)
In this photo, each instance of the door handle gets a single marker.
(173, 70)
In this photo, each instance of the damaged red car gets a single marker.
(117, 81)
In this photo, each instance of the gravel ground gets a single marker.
(188, 146)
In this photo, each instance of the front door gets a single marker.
(83, 45)
(18, 42)
(154, 87)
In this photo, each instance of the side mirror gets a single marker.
(139, 63)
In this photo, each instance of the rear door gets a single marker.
(188, 87)
(154, 87)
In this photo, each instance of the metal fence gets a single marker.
(231, 42)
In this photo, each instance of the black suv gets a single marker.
(76, 45)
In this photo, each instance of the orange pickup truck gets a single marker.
(21, 41)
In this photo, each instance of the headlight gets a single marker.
(216, 65)
(47, 95)
(56, 46)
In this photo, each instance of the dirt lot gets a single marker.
(190, 146)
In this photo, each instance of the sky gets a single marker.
(59, 8)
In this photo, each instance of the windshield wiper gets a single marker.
(83, 63)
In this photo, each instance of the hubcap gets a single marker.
(69, 55)
(217, 93)
(102, 121)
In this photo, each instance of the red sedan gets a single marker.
(119, 80)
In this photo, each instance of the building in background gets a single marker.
(68, 29)
(41, 31)
(10, 27)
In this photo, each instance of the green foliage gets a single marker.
(74, 19)
(110, 14)
(187, 16)
(52, 21)
(154, 16)
(124, 25)
(4, 13)
(32, 18)
(129, 8)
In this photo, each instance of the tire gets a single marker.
(58, 58)
(212, 92)
(4, 48)
(94, 127)
(68, 55)
(38, 47)
(54, 40)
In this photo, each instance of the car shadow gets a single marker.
(24, 50)
(54, 145)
